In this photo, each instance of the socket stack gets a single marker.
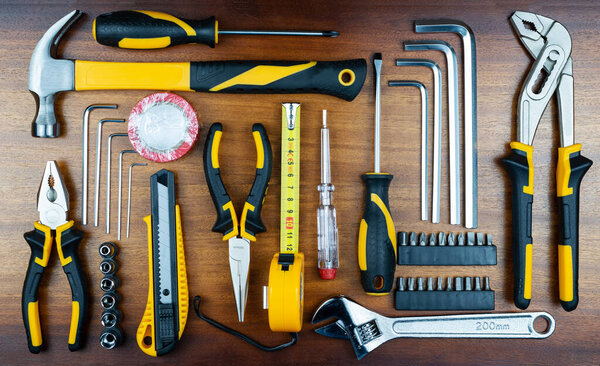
(111, 336)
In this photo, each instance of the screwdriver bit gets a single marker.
(402, 238)
(413, 239)
(441, 239)
(489, 239)
(410, 284)
(470, 238)
(458, 283)
(449, 284)
(422, 239)
(430, 284)
(439, 284)
(420, 284)
(401, 286)
(432, 239)
(451, 240)
(460, 239)
(477, 284)
(468, 283)
(480, 238)
(486, 286)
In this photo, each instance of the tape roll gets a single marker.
(163, 127)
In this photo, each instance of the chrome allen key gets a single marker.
(441, 249)
(460, 294)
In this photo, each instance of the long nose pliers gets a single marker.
(549, 43)
(53, 228)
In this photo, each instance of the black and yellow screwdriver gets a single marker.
(141, 29)
(377, 235)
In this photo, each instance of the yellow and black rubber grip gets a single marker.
(570, 170)
(226, 222)
(342, 79)
(377, 237)
(40, 241)
(141, 29)
(519, 165)
(251, 222)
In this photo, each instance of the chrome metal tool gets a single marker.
(470, 103)
(367, 329)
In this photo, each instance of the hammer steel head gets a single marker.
(48, 76)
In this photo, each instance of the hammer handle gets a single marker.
(342, 79)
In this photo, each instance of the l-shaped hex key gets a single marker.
(437, 132)
(453, 139)
(470, 89)
(424, 153)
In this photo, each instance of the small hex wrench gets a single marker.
(85, 156)
(453, 139)
(98, 162)
(470, 101)
(437, 131)
(424, 152)
(121, 154)
(129, 193)
(108, 148)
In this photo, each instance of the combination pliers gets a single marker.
(549, 43)
(53, 227)
(238, 234)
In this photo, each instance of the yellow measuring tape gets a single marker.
(285, 293)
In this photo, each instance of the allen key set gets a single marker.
(163, 127)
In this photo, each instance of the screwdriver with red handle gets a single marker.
(142, 29)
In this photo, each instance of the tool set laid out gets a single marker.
(163, 127)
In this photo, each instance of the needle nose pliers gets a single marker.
(53, 227)
(239, 234)
(549, 43)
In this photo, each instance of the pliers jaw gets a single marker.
(53, 197)
(239, 265)
(531, 29)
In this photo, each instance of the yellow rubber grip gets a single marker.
(527, 149)
(565, 272)
(528, 271)
(183, 297)
(563, 170)
(97, 75)
(74, 322)
(35, 330)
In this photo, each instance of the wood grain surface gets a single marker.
(366, 27)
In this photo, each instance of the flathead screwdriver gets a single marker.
(377, 236)
(326, 217)
(141, 29)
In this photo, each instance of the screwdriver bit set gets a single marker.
(459, 294)
(445, 249)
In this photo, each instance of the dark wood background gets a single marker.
(366, 27)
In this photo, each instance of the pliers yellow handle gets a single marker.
(67, 241)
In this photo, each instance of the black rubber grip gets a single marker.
(70, 240)
(342, 79)
(568, 212)
(376, 238)
(516, 164)
(116, 28)
(212, 172)
(253, 223)
(36, 240)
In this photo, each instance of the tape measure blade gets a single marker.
(290, 177)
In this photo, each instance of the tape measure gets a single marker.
(285, 292)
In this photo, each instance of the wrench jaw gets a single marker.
(360, 325)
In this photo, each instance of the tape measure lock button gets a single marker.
(286, 260)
